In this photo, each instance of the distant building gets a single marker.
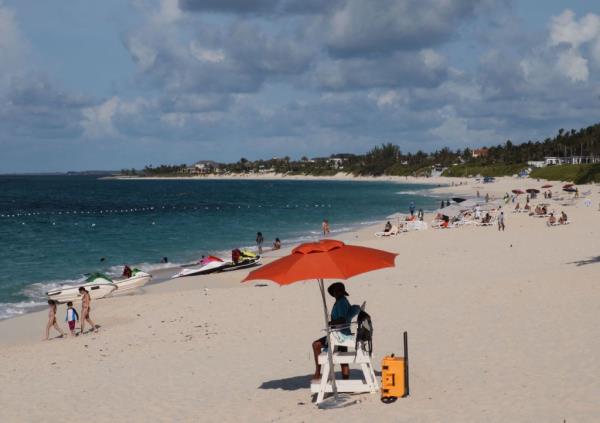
(336, 162)
(203, 167)
(576, 160)
(536, 163)
(479, 152)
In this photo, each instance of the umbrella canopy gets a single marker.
(458, 199)
(530, 190)
(567, 186)
(326, 259)
(518, 191)
(546, 186)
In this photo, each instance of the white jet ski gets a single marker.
(126, 285)
(97, 285)
(209, 264)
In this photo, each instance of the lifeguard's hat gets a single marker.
(336, 285)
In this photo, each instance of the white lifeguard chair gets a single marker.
(354, 355)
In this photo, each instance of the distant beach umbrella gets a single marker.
(568, 186)
(533, 190)
(458, 199)
(518, 191)
(546, 186)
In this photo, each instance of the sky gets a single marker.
(118, 84)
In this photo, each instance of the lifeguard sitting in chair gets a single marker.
(342, 338)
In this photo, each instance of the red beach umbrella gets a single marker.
(546, 186)
(566, 186)
(326, 259)
(518, 191)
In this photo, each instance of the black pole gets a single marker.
(406, 385)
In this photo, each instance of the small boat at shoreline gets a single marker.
(100, 286)
(67, 293)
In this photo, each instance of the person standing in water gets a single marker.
(85, 310)
(52, 320)
(325, 227)
(259, 241)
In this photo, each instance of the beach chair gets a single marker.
(355, 354)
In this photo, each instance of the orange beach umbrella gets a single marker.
(326, 259)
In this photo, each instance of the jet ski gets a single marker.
(241, 259)
(97, 285)
(132, 279)
(209, 264)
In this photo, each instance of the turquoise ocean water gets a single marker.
(54, 229)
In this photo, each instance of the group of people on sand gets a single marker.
(562, 220)
(72, 316)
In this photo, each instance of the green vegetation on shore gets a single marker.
(387, 159)
(579, 174)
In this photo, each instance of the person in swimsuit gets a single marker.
(85, 310)
(52, 320)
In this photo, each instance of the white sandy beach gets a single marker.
(502, 327)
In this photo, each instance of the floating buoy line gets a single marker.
(20, 214)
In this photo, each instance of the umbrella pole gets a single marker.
(329, 348)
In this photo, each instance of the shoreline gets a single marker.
(340, 176)
(158, 270)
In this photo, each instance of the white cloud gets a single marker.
(573, 65)
(432, 60)
(205, 54)
(454, 130)
(565, 28)
(98, 120)
(13, 46)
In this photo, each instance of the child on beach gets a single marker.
(52, 320)
(72, 317)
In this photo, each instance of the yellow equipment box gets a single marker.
(394, 376)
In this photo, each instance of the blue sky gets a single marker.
(118, 83)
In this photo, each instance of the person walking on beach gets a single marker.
(259, 241)
(85, 310)
(325, 227)
(72, 317)
(487, 197)
(420, 215)
(501, 221)
(411, 208)
(52, 320)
